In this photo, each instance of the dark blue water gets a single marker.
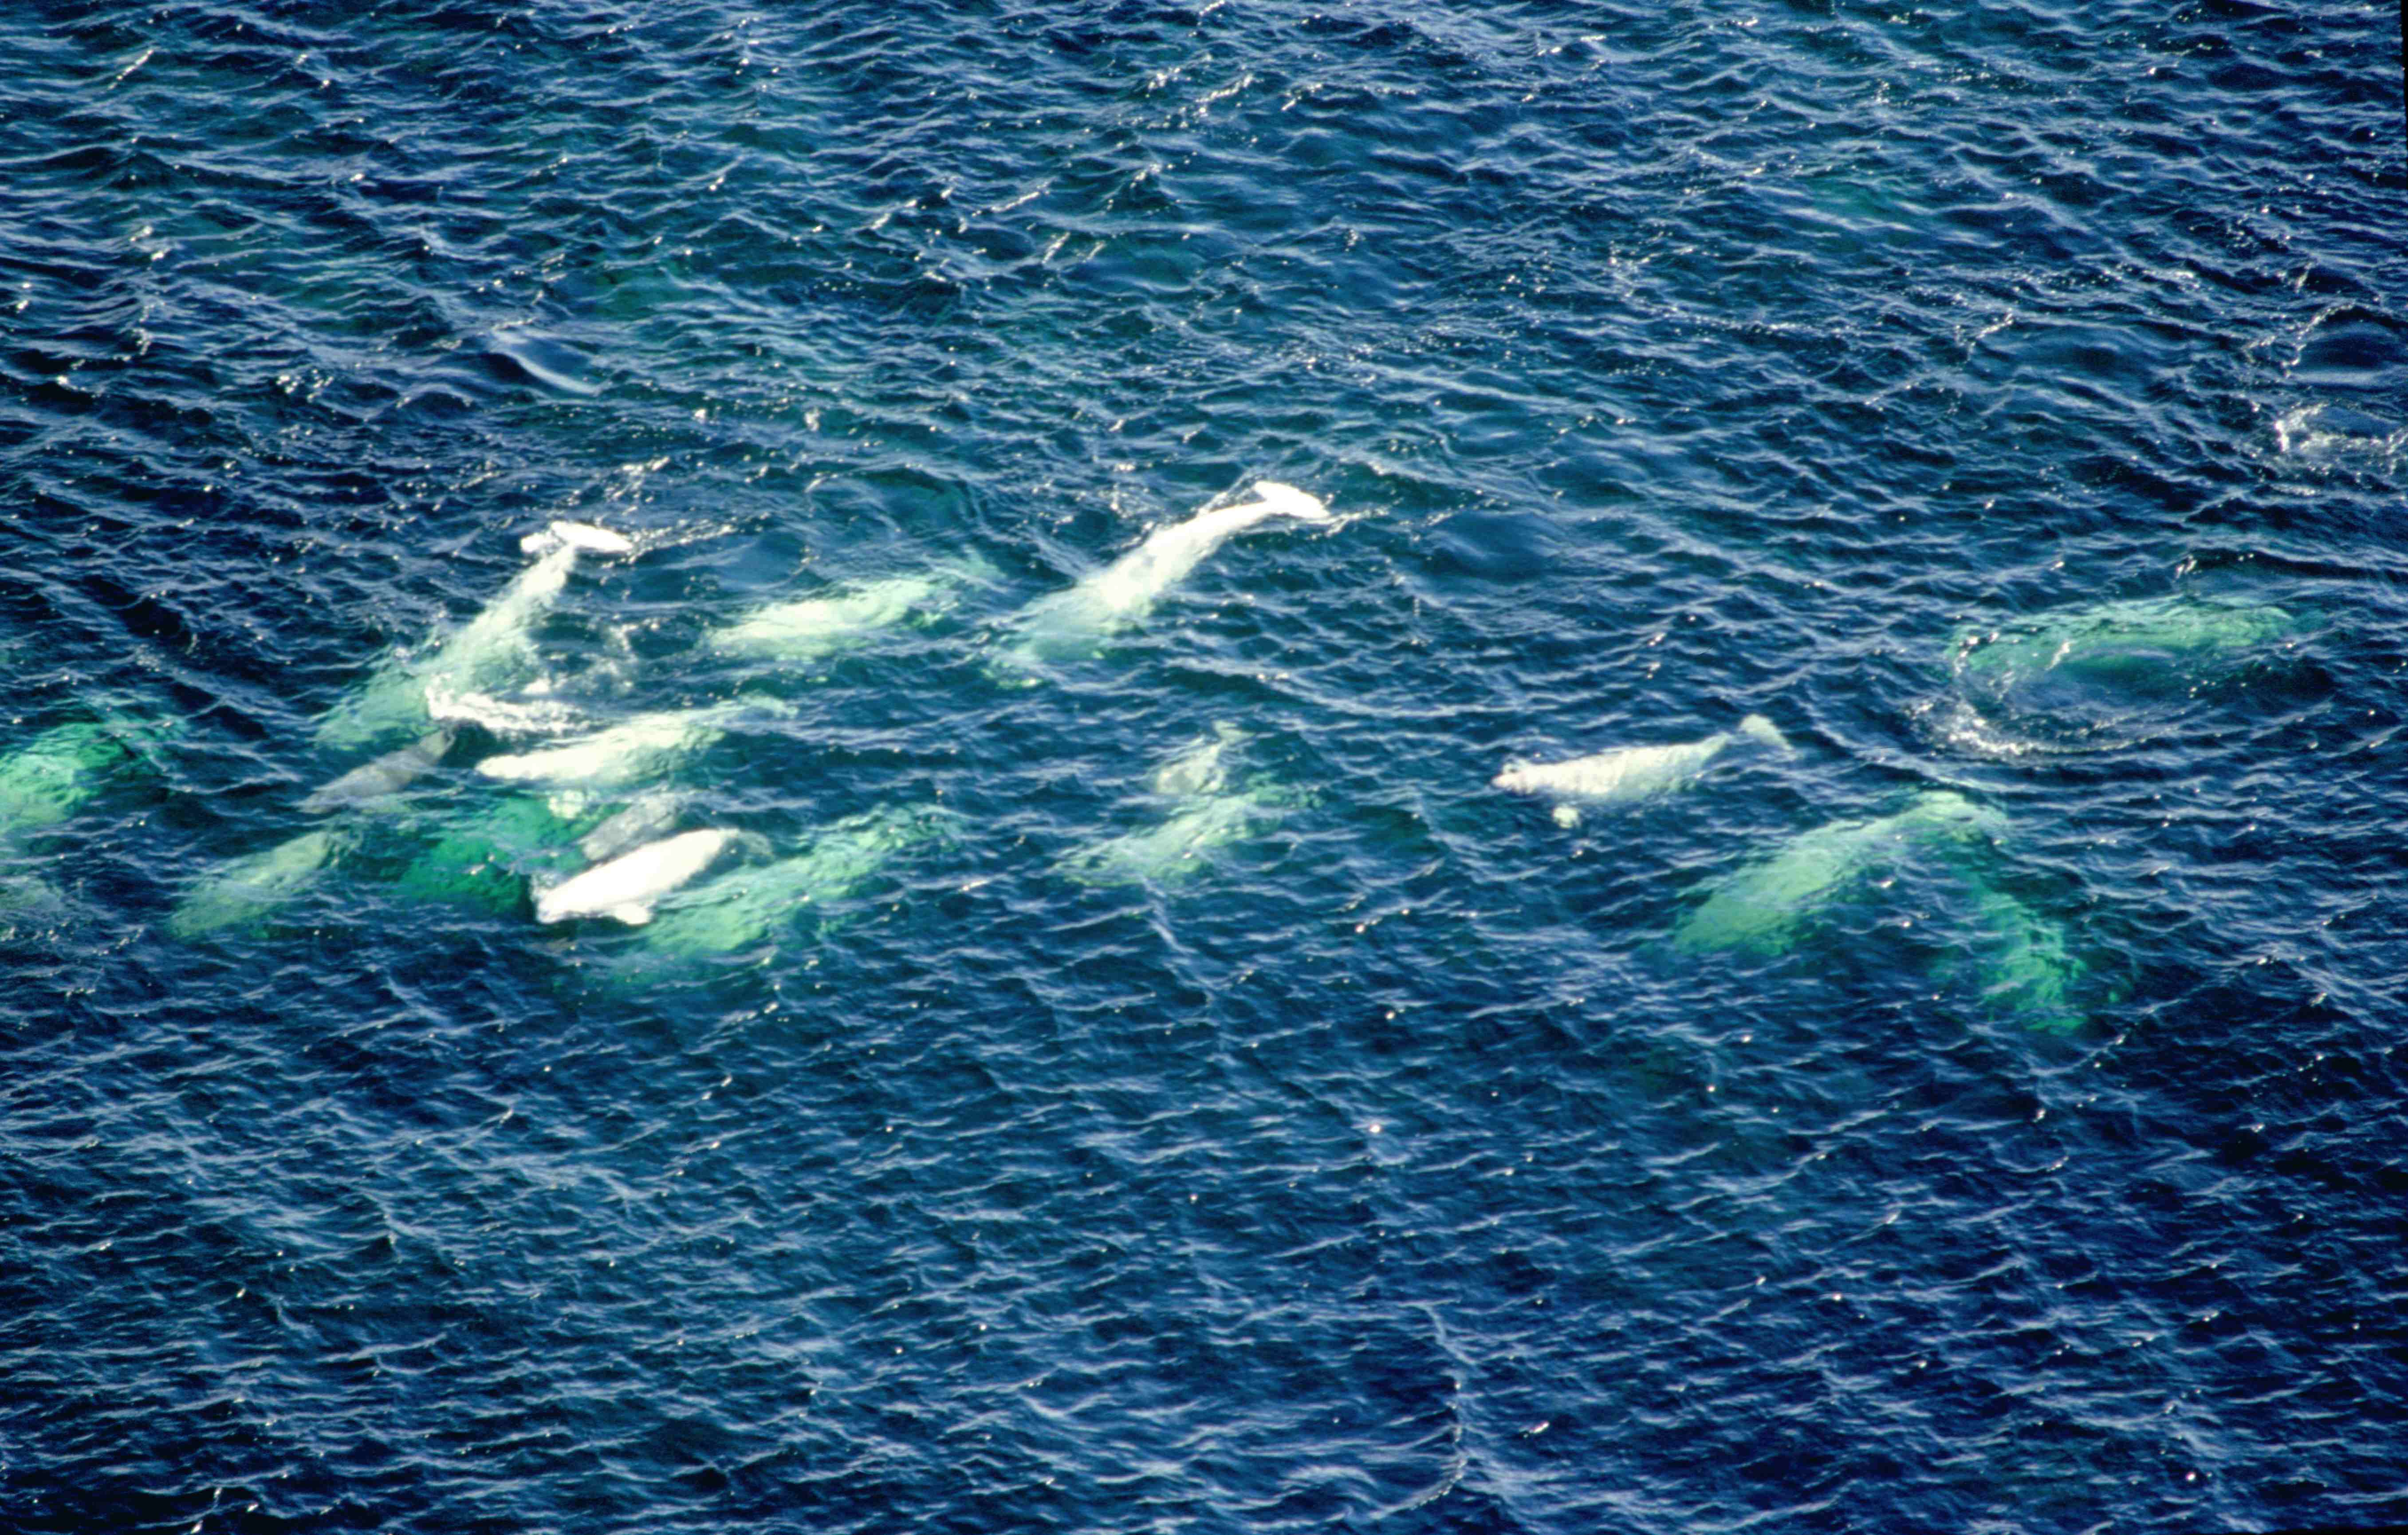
(1393, 1154)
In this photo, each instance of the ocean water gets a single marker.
(1132, 1071)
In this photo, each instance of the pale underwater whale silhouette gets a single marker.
(1174, 848)
(1073, 624)
(244, 891)
(492, 857)
(1760, 906)
(2147, 643)
(1210, 814)
(738, 910)
(2020, 958)
(49, 778)
(1631, 772)
(813, 628)
(386, 775)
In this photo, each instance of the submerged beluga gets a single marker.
(2147, 643)
(1759, 906)
(491, 653)
(738, 909)
(2104, 676)
(2018, 958)
(805, 630)
(1207, 812)
(49, 778)
(491, 855)
(243, 892)
(1073, 624)
(383, 778)
(1629, 773)
(42, 784)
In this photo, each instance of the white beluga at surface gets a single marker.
(585, 537)
(492, 652)
(631, 751)
(1072, 624)
(1630, 773)
(627, 886)
(530, 713)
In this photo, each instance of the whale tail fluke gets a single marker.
(1757, 728)
(1288, 501)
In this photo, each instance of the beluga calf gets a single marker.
(1631, 772)
(387, 775)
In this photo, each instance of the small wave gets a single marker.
(2327, 434)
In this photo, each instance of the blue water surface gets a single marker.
(1386, 1153)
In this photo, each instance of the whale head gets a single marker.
(1288, 501)
(583, 537)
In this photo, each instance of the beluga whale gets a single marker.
(2107, 675)
(739, 910)
(805, 630)
(491, 653)
(2145, 644)
(627, 886)
(1760, 907)
(490, 856)
(1207, 812)
(244, 891)
(42, 783)
(1073, 624)
(387, 776)
(1629, 773)
(636, 749)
